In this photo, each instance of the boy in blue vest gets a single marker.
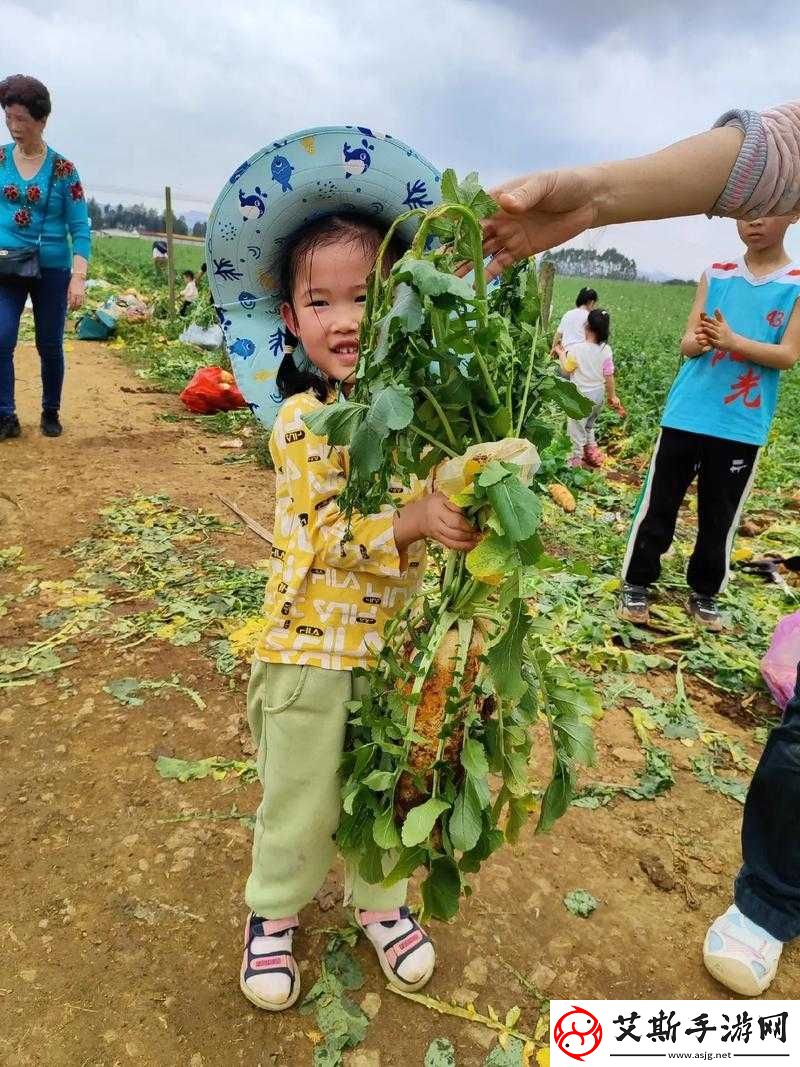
(743, 330)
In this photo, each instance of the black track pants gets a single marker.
(725, 471)
(768, 886)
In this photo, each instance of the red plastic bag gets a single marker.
(212, 389)
(779, 665)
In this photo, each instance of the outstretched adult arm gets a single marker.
(748, 166)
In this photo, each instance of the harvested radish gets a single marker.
(562, 496)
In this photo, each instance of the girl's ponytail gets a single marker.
(599, 322)
(292, 379)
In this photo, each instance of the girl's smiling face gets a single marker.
(328, 303)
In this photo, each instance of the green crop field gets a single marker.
(135, 253)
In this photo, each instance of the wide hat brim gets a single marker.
(301, 177)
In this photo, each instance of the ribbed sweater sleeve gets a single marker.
(765, 179)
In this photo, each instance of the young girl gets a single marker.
(590, 366)
(327, 602)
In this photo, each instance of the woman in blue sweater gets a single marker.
(41, 203)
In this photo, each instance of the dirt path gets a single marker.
(120, 930)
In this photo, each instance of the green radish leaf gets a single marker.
(530, 550)
(580, 903)
(516, 506)
(370, 865)
(428, 281)
(391, 409)
(410, 859)
(366, 453)
(515, 773)
(493, 473)
(492, 559)
(450, 186)
(556, 798)
(574, 737)
(468, 192)
(466, 821)
(473, 758)
(421, 820)
(505, 656)
(440, 1054)
(379, 780)
(513, 1055)
(384, 830)
(337, 422)
(499, 422)
(441, 890)
(519, 808)
(407, 308)
(488, 842)
(574, 404)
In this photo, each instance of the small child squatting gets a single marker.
(327, 603)
(743, 330)
(189, 292)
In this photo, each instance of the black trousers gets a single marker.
(768, 886)
(725, 471)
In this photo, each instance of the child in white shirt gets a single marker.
(189, 292)
(571, 329)
(590, 366)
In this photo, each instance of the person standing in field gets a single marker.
(743, 946)
(572, 328)
(590, 366)
(743, 330)
(42, 214)
(160, 256)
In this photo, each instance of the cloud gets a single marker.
(149, 94)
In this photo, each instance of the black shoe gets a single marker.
(51, 427)
(9, 427)
(634, 605)
(705, 610)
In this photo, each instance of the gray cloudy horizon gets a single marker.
(149, 94)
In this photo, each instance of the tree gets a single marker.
(199, 229)
(588, 263)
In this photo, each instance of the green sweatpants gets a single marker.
(297, 716)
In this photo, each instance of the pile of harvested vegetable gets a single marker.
(454, 385)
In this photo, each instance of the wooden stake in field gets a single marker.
(170, 252)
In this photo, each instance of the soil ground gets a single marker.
(120, 930)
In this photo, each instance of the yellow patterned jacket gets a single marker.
(329, 598)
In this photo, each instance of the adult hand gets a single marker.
(76, 294)
(537, 212)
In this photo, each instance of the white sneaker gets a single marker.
(740, 954)
(269, 977)
(404, 950)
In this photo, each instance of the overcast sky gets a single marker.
(148, 94)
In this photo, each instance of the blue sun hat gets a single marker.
(290, 182)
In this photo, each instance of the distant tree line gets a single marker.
(588, 263)
(138, 217)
